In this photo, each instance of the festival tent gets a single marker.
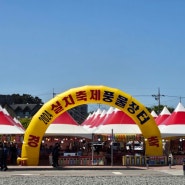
(84, 123)
(175, 123)
(98, 120)
(94, 119)
(15, 121)
(65, 118)
(104, 118)
(66, 125)
(7, 126)
(120, 123)
(87, 123)
(19, 124)
(154, 115)
(165, 113)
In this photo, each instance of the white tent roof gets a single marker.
(165, 113)
(175, 123)
(153, 113)
(118, 129)
(67, 129)
(7, 124)
(4, 129)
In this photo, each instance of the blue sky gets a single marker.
(136, 46)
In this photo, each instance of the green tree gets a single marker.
(25, 122)
(25, 98)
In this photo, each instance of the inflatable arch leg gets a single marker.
(86, 95)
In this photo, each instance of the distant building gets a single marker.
(79, 113)
(28, 110)
(24, 110)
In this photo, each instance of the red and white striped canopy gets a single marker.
(175, 123)
(7, 124)
(165, 113)
(64, 124)
(120, 123)
(154, 115)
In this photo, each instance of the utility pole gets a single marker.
(54, 94)
(158, 98)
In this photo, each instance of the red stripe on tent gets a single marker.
(4, 120)
(119, 117)
(65, 118)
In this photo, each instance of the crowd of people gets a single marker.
(8, 154)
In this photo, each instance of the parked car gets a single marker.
(134, 145)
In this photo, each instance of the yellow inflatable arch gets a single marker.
(86, 95)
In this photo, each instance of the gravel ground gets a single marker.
(116, 180)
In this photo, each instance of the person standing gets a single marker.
(55, 155)
(5, 157)
(1, 155)
(13, 154)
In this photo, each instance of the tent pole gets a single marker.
(112, 148)
(92, 149)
